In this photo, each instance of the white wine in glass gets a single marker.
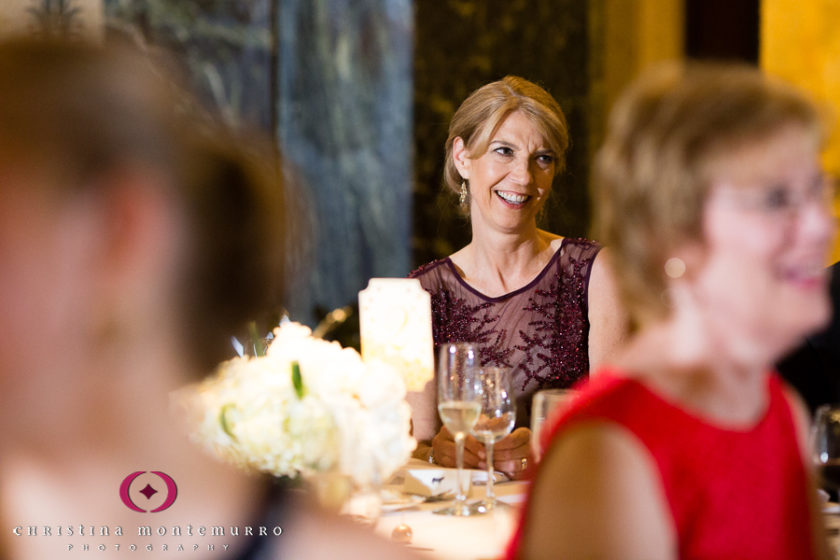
(497, 418)
(459, 417)
(459, 404)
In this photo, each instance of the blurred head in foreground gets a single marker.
(125, 221)
(135, 238)
(711, 174)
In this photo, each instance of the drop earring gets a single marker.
(675, 267)
(462, 198)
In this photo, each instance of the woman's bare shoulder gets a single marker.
(462, 260)
(554, 240)
(598, 495)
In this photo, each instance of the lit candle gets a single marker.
(395, 323)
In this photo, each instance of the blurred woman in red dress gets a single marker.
(709, 191)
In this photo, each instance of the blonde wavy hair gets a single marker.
(481, 114)
(665, 136)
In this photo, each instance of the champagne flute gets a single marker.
(825, 436)
(459, 404)
(498, 415)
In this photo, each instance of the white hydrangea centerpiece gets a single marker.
(308, 406)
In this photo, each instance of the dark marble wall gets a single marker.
(226, 48)
(359, 94)
(345, 122)
(331, 80)
(463, 44)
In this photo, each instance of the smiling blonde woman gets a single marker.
(538, 303)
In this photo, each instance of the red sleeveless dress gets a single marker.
(733, 494)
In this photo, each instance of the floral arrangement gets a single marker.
(307, 406)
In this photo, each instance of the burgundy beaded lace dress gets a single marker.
(540, 330)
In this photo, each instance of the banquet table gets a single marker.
(484, 537)
(477, 537)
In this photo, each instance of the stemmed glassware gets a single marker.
(825, 445)
(498, 415)
(459, 404)
(825, 436)
(544, 403)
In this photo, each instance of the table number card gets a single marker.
(395, 321)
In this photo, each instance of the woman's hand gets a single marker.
(443, 449)
(512, 454)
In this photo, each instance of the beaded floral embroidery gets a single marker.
(541, 330)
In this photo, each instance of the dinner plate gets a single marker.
(392, 500)
(479, 477)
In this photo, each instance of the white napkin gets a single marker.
(421, 478)
(434, 481)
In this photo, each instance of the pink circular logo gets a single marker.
(148, 491)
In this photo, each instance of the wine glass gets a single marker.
(498, 415)
(543, 405)
(459, 404)
(825, 436)
(825, 445)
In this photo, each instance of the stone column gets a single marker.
(331, 80)
(345, 123)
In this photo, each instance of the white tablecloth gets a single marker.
(460, 538)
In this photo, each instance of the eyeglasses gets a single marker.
(782, 200)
